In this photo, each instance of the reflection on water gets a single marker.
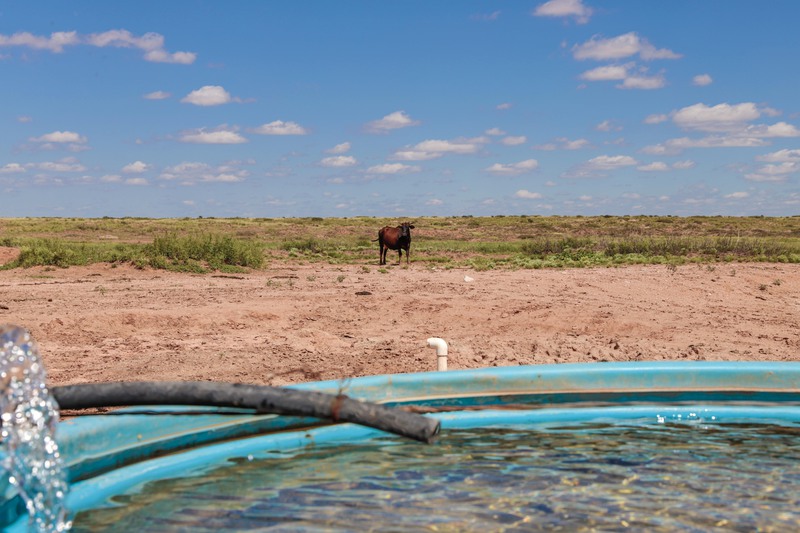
(601, 476)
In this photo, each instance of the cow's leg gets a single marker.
(384, 249)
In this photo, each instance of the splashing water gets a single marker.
(29, 418)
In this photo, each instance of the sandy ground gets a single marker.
(300, 323)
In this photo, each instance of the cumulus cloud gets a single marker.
(67, 164)
(718, 118)
(774, 172)
(54, 43)
(342, 148)
(564, 8)
(434, 149)
(683, 165)
(780, 156)
(504, 106)
(514, 140)
(393, 168)
(60, 137)
(563, 143)
(339, 161)
(12, 168)
(513, 169)
(219, 135)
(392, 121)
(606, 73)
(208, 95)
(656, 119)
(192, 173)
(495, 132)
(608, 125)
(136, 181)
(622, 46)
(157, 95)
(152, 44)
(528, 195)
(728, 125)
(702, 80)
(655, 166)
(737, 195)
(643, 82)
(137, 167)
(279, 127)
(600, 166)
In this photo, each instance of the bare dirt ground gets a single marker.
(295, 323)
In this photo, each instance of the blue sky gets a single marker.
(399, 109)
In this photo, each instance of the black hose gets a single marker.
(261, 398)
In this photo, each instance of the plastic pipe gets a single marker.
(441, 352)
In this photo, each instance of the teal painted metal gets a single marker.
(122, 443)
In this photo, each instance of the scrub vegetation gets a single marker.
(483, 243)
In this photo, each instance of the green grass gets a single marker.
(482, 243)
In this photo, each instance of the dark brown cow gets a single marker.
(398, 238)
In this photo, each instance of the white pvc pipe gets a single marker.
(441, 352)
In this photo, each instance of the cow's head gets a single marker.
(405, 229)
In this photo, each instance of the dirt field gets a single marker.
(299, 323)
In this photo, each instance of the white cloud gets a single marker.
(220, 135)
(606, 73)
(737, 195)
(339, 161)
(504, 106)
(433, 149)
(563, 143)
(342, 148)
(564, 8)
(514, 140)
(137, 167)
(136, 181)
(157, 95)
(643, 82)
(774, 172)
(392, 121)
(718, 118)
(610, 162)
(61, 137)
(279, 127)
(12, 168)
(683, 165)
(191, 173)
(24, 119)
(111, 178)
(607, 125)
(434, 201)
(54, 43)
(656, 119)
(622, 46)
(67, 164)
(676, 146)
(655, 166)
(599, 166)
(513, 169)
(702, 80)
(393, 168)
(152, 44)
(208, 95)
(780, 156)
(528, 195)
(495, 132)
